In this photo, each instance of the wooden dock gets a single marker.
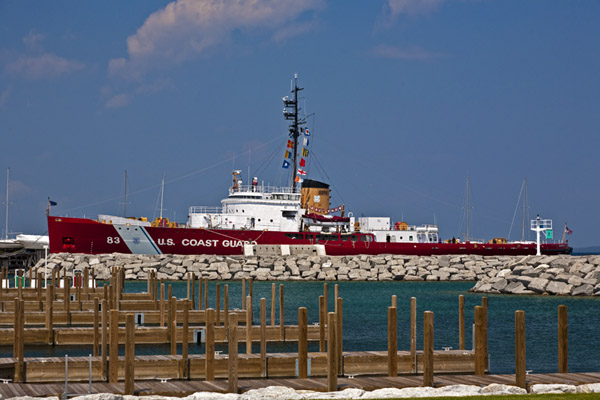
(185, 388)
(98, 317)
(52, 369)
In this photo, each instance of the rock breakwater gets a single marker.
(554, 275)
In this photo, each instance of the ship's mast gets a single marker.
(291, 113)
(524, 206)
(7, 180)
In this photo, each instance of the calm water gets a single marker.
(365, 320)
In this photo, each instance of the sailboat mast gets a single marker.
(524, 206)
(7, 180)
(125, 197)
(162, 195)
(468, 210)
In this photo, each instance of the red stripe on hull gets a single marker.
(91, 237)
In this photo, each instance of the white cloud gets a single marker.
(412, 7)
(4, 97)
(409, 53)
(186, 28)
(296, 29)
(17, 188)
(46, 65)
(33, 40)
(118, 101)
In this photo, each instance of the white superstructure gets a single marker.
(401, 232)
(251, 207)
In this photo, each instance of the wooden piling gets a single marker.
(428, 348)
(392, 341)
(322, 316)
(273, 301)
(210, 345)
(563, 342)
(302, 343)
(226, 307)
(413, 333)
(20, 283)
(20, 340)
(248, 325)
(162, 304)
(96, 325)
(113, 362)
(193, 276)
(232, 359)
(479, 341)
(218, 303)
(49, 315)
(184, 369)
(263, 338)
(173, 324)
(129, 354)
(111, 290)
(67, 300)
(38, 290)
(331, 354)
(251, 289)
(206, 293)
(243, 293)
(200, 297)
(16, 324)
(336, 294)
(189, 289)
(104, 337)
(484, 304)
(281, 315)
(520, 372)
(326, 300)
(339, 334)
(395, 301)
(461, 322)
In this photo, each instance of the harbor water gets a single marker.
(365, 320)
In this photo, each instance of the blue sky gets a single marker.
(410, 98)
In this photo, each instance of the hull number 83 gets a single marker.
(113, 240)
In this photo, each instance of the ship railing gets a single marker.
(427, 228)
(205, 210)
(262, 189)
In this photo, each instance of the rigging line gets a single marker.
(264, 164)
(174, 179)
(515, 214)
(318, 163)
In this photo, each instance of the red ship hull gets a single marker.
(80, 235)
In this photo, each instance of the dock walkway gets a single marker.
(184, 388)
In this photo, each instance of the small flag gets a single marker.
(301, 171)
(302, 162)
(299, 180)
(304, 152)
(286, 164)
(53, 203)
(305, 141)
(568, 231)
(307, 132)
(287, 154)
(290, 144)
